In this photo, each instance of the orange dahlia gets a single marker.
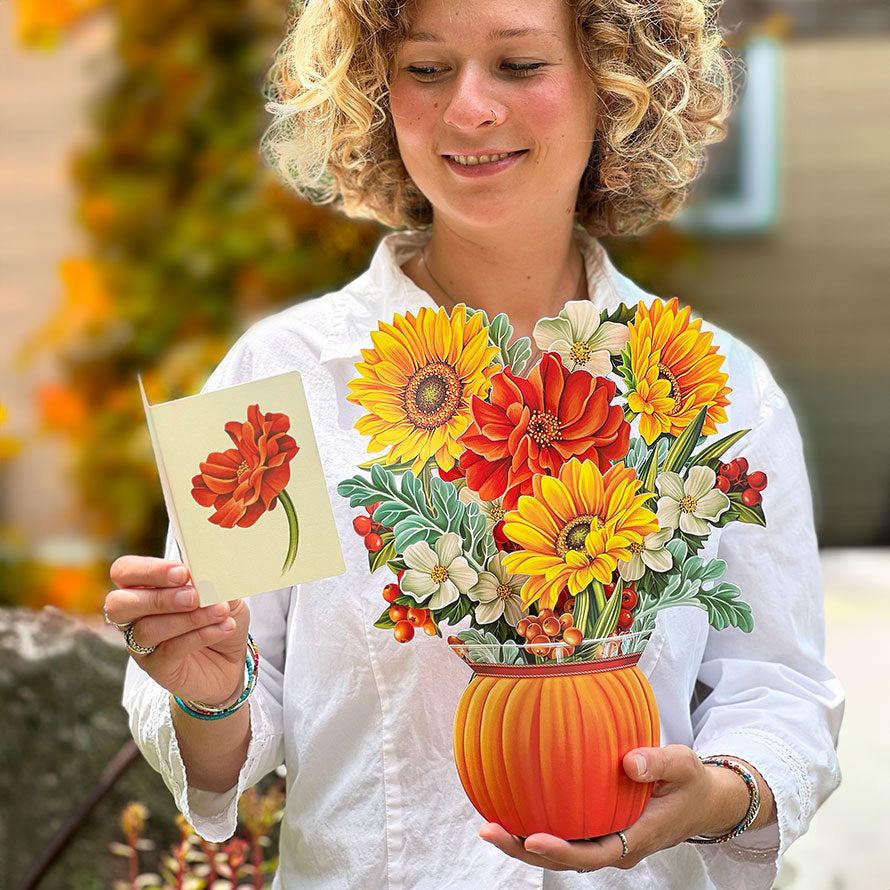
(675, 370)
(417, 382)
(575, 528)
(534, 425)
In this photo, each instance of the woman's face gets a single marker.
(493, 109)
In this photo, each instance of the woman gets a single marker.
(494, 127)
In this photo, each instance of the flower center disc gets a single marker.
(543, 427)
(575, 532)
(497, 513)
(432, 395)
(242, 469)
(439, 574)
(504, 591)
(676, 394)
(688, 504)
(635, 547)
(580, 353)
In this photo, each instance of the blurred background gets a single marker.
(139, 232)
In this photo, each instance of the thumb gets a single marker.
(670, 764)
(643, 764)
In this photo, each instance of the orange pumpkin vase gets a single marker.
(539, 747)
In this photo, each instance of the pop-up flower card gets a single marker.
(226, 460)
(548, 511)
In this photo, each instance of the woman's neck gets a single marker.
(528, 274)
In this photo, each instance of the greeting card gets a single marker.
(244, 488)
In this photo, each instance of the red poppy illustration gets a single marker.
(244, 482)
(534, 425)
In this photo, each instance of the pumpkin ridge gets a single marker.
(473, 749)
(497, 780)
(521, 709)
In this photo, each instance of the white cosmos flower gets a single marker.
(493, 511)
(579, 338)
(688, 504)
(440, 573)
(651, 554)
(498, 593)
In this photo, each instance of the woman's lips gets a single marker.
(474, 165)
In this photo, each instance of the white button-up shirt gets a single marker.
(363, 723)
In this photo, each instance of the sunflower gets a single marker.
(676, 372)
(417, 382)
(575, 528)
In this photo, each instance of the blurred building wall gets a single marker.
(812, 295)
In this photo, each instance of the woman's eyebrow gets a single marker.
(497, 34)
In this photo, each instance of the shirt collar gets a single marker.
(384, 290)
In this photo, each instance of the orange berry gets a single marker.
(544, 613)
(566, 651)
(522, 627)
(566, 620)
(392, 592)
(551, 626)
(418, 617)
(397, 613)
(429, 627)
(539, 645)
(403, 631)
(572, 636)
(533, 630)
(569, 605)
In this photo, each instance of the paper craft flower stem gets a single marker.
(245, 482)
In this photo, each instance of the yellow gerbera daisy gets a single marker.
(677, 372)
(417, 382)
(575, 528)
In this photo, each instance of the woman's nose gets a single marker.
(472, 103)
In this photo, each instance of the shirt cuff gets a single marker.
(751, 861)
(213, 815)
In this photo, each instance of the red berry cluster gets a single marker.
(734, 476)
(628, 604)
(406, 618)
(550, 626)
(367, 528)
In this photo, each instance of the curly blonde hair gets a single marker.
(657, 66)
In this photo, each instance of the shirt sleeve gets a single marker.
(769, 698)
(214, 815)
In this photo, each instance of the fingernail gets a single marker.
(227, 625)
(177, 575)
(185, 598)
(641, 765)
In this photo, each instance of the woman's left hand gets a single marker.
(688, 798)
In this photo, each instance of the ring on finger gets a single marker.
(121, 627)
(624, 847)
(133, 646)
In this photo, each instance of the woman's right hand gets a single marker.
(200, 652)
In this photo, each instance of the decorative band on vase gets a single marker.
(557, 669)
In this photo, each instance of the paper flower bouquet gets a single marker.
(552, 510)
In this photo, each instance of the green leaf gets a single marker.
(715, 451)
(384, 622)
(685, 442)
(384, 554)
(754, 515)
(677, 549)
(624, 314)
(649, 471)
(725, 609)
(607, 620)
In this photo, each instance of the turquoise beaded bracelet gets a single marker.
(753, 801)
(201, 711)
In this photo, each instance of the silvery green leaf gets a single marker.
(725, 609)
(678, 550)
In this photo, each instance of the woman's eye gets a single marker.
(523, 69)
(424, 72)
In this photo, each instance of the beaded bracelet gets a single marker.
(201, 711)
(753, 802)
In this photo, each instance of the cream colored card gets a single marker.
(244, 488)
